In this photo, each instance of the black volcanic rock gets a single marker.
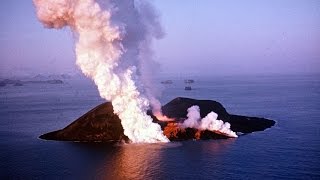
(177, 108)
(246, 124)
(101, 124)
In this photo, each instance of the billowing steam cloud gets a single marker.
(112, 48)
(210, 122)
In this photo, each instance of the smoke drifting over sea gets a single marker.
(112, 48)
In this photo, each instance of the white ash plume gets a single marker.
(106, 52)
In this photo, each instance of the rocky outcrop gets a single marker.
(101, 124)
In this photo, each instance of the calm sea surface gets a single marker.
(290, 150)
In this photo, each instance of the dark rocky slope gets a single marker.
(101, 124)
(177, 108)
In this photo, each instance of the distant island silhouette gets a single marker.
(21, 83)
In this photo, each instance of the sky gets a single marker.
(202, 37)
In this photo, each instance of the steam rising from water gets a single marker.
(112, 48)
(210, 122)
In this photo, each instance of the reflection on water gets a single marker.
(133, 161)
(29, 111)
(217, 146)
(145, 161)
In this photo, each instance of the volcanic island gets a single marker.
(101, 125)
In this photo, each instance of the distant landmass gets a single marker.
(21, 83)
(37, 79)
(102, 125)
(53, 76)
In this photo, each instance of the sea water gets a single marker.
(289, 150)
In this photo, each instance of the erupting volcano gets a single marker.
(101, 124)
(113, 48)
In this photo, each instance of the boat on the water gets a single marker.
(188, 81)
(167, 82)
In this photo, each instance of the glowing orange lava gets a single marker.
(162, 117)
(171, 130)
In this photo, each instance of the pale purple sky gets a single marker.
(202, 37)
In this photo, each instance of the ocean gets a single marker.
(289, 150)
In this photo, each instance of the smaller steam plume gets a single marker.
(210, 122)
